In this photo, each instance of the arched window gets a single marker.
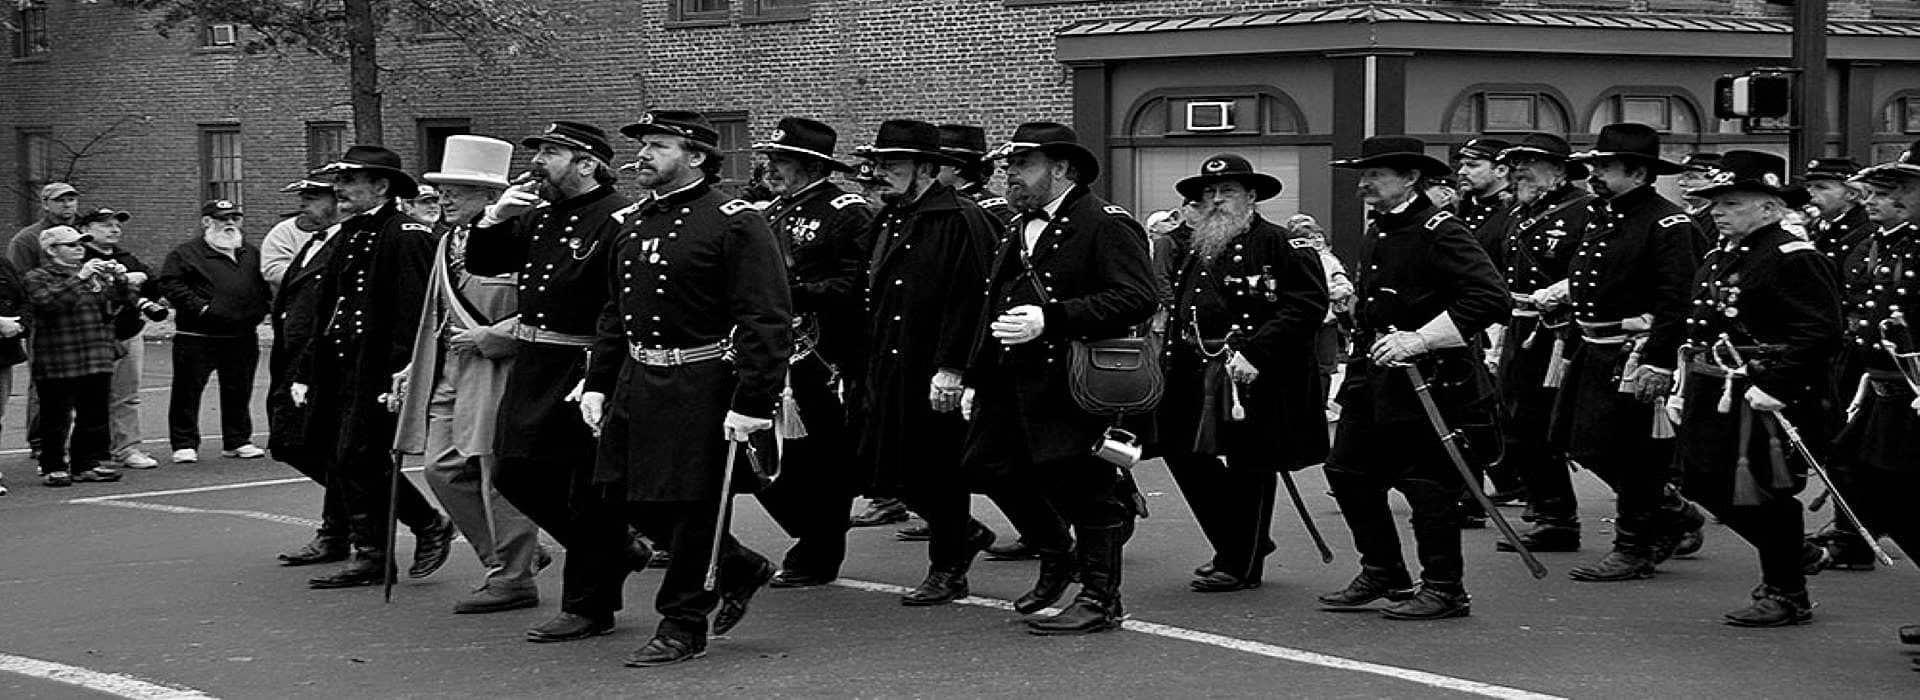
(1508, 109)
(1899, 122)
(1668, 110)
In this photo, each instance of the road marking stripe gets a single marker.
(1271, 651)
(118, 685)
(1246, 646)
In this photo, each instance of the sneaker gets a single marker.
(186, 455)
(136, 459)
(247, 451)
(57, 479)
(97, 474)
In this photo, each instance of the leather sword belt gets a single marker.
(674, 357)
(1523, 306)
(535, 334)
(1701, 364)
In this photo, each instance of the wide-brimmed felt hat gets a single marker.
(1893, 173)
(965, 141)
(480, 161)
(1229, 166)
(1483, 148)
(1630, 142)
(907, 137)
(1546, 147)
(573, 135)
(806, 138)
(363, 157)
(1832, 169)
(1057, 141)
(1751, 171)
(1403, 152)
(1704, 162)
(304, 185)
(101, 214)
(686, 124)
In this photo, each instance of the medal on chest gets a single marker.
(803, 231)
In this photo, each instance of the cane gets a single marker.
(1300, 506)
(393, 526)
(1447, 440)
(720, 521)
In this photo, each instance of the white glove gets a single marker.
(1552, 295)
(299, 394)
(593, 405)
(579, 390)
(1763, 401)
(1019, 324)
(966, 404)
(738, 426)
(944, 391)
(10, 326)
(513, 202)
(397, 389)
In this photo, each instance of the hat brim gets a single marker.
(1084, 163)
(564, 141)
(638, 130)
(783, 149)
(464, 179)
(1574, 170)
(1792, 196)
(1418, 162)
(1659, 166)
(873, 153)
(406, 186)
(1264, 186)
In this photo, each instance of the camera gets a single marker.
(154, 311)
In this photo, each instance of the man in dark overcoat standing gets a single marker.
(369, 305)
(1074, 267)
(294, 307)
(692, 348)
(931, 246)
(1248, 301)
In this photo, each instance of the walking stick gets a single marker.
(1299, 506)
(393, 525)
(720, 521)
(1448, 438)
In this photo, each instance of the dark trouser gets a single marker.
(815, 490)
(73, 407)
(1876, 460)
(363, 476)
(1234, 508)
(1085, 492)
(687, 528)
(946, 506)
(333, 507)
(1429, 492)
(1527, 407)
(195, 358)
(559, 496)
(1884, 499)
(1763, 510)
(289, 446)
(1611, 435)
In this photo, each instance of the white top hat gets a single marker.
(474, 160)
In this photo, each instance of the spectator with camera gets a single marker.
(216, 284)
(102, 226)
(74, 354)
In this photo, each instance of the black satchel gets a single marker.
(1114, 376)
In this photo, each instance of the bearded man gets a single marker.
(1248, 302)
(215, 282)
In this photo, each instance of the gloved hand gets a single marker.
(579, 388)
(1650, 384)
(298, 392)
(1241, 370)
(397, 389)
(1763, 401)
(1552, 295)
(966, 404)
(1019, 324)
(592, 410)
(1397, 347)
(738, 426)
(513, 202)
(944, 391)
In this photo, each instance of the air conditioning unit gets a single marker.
(223, 35)
(1210, 116)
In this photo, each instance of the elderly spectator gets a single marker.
(59, 206)
(73, 355)
(423, 207)
(102, 228)
(215, 282)
(319, 211)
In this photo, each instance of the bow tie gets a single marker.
(1039, 215)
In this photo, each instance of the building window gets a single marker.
(698, 11)
(433, 139)
(773, 10)
(1508, 111)
(36, 169)
(220, 161)
(326, 141)
(1220, 114)
(1666, 113)
(221, 35)
(30, 30)
(736, 147)
(1902, 114)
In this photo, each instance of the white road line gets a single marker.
(1247, 646)
(115, 684)
(1271, 651)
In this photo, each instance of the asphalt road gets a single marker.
(158, 593)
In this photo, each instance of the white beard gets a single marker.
(1218, 228)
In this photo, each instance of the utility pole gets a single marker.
(1810, 90)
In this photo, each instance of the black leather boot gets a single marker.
(322, 549)
(431, 545)
(1370, 585)
(1434, 600)
(941, 586)
(1773, 608)
(1621, 564)
(1056, 573)
(368, 567)
(1097, 607)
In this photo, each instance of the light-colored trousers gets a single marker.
(123, 415)
(506, 542)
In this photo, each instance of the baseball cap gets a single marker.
(220, 207)
(102, 214)
(56, 190)
(62, 234)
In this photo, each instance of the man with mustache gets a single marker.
(1248, 302)
(1486, 197)
(687, 368)
(1427, 291)
(215, 282)
(1542, 233)
(557, 230)
(296, 302)
(1629, 281)
(827, 237)
(369, 300)
(969, 177)
(318, 211)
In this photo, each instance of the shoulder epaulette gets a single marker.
(1117, 210)
(847, 200)
(1795, 246)
(1676, 220)
(1300, 242)
(735, 207)
(992, 202)
(1433, 222)
(621, 215)
(416, 226)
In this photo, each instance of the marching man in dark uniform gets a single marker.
(695, 279)
(931, 247)
(1427, 291)
(826, 235)
(1547, 222)
(1764, 326)
(1486, 195)
(1844, 233)
(1842, 226)
(1627, 288)
(969, 177)
(1248, 301)
(557, 232)
(1073, 268)
(295, 304)
(1876, 457)
(369, 305)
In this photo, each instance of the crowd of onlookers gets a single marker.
(75, 302)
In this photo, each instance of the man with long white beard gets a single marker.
(215, 282)
(1248, 301)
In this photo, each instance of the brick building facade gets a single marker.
(182, 118)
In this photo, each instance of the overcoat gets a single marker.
(294, 309)
(1885, 434)
(1092, 277)
(828, 236)
(456, 300)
